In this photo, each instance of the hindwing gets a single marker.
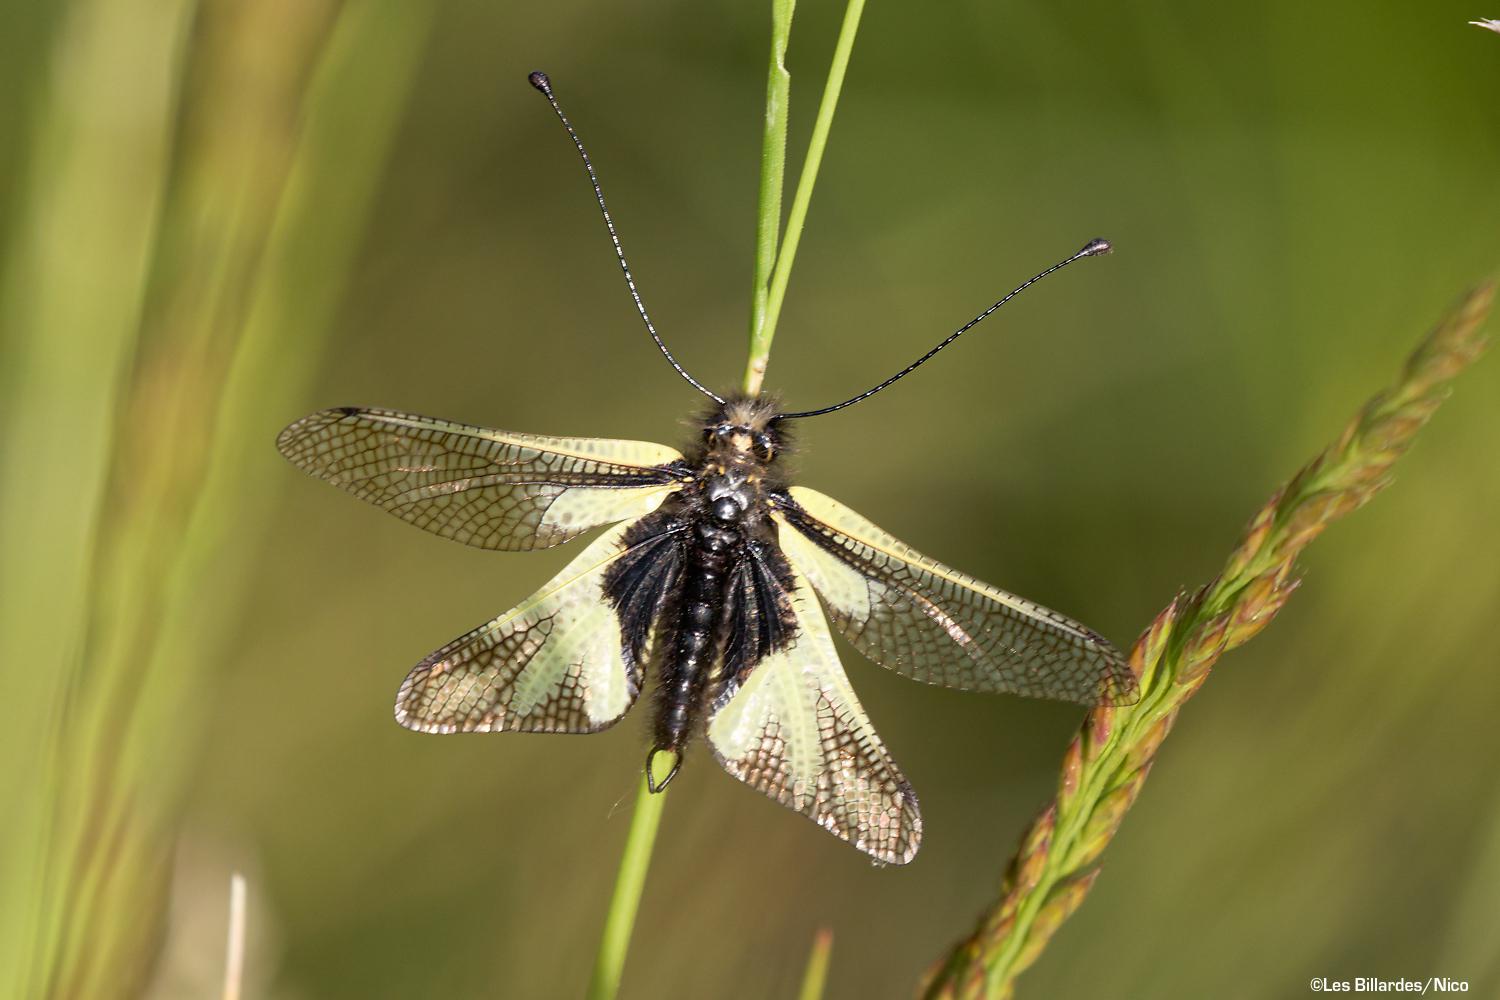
(792, 727)
(560, 662)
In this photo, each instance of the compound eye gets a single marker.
(765, 446)
(720, 431)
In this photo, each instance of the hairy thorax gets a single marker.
(736, 461)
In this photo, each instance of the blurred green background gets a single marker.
(218, 216)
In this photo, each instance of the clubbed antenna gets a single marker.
(540, 82)
(1094, 248)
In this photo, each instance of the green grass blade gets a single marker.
(614, 944)
(143, 325)
(356, 101)
(815, 976)
(78, 251)
(761, 348)
(772, 174)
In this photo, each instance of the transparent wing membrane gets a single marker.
(486, 488)
(556, 663)
(934, 624)
(794, 729)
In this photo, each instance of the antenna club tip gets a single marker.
(539, 80)
(1096, 248)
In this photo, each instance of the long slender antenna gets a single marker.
(1094, 248)
(540, 82)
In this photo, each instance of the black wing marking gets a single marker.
(487, 488)
(934, 624)
(757, 615)
(646, 578)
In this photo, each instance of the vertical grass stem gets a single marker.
(614, 944)
(765, 330)
(815, 976)
(772, 173)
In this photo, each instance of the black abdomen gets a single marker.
(686, 669)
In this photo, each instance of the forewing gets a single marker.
(793, 728)
(935, 624)
(557, 663)
(491, 489)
